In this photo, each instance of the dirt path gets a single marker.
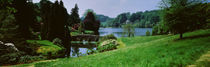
(203, 61)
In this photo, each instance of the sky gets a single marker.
(110, 8)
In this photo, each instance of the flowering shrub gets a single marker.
(107, 45)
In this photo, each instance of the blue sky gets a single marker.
(110, 8)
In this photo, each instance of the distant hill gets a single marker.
(103, 18)
(140, 19)
(100, 17)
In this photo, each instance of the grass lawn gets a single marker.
(145, 51)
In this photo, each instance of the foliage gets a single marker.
(90, 23)
(147, 33)
(86, 13)
(179, 17)
(107, 37)
(58, 42)
(18, 57)
(28, 58)
(129, 30)
(55, 23)
(110, 44)
(107, 45)
(24, 18)
(151, 51)
(10, 58)
(160, 29)
(74, 17)
(140, 19)
(102, 18)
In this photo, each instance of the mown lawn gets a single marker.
(146, 51)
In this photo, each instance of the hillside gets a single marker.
(144, 51)
(146, 19)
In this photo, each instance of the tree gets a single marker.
(129, 30)
(74, 17)
(178, 14)
(55, 24)
(25, 17)
(90, 23)
(7, 26)
(135, 16)
(46, 12)
(89, 10)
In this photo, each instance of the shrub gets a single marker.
(28, 58)
(107, 45)
(147, 33)
(107, 37)
(10, 58)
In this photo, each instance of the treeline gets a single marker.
(146, 19)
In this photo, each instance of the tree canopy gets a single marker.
(181, 16)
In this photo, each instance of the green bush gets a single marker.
(147, 33)
(107, 45)
(28, 58)
(10, 58)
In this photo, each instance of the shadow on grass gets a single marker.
(193, 37)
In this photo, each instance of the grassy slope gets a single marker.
(158, 51)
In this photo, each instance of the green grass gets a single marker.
(137, 40)
(150, 51)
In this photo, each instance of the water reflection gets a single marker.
(78, 51)
(118, 32)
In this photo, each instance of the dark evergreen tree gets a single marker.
(24, 17)
(74, 17)
(55, 23)
(64, 27)
(46, 11)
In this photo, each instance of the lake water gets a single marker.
(118, 32)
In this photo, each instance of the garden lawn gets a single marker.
(144, 51)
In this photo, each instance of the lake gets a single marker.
(118, 32)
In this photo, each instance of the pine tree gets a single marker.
(75, 19)
(55, 24)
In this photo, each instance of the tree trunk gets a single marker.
(181, 35)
